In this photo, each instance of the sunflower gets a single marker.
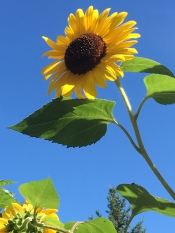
(14, 218)
(87, 55)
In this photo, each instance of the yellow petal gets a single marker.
(125, 44)
(133, 35)
(79, 16)
(53, 70)
(128, 57)
(61, 70)
(73, 23)
(125, 51)
(63, 41)
(116, 58)
(51, 43)
(102, 23)
(120, 17)
(69, 33)
(6, 216)
(3, 229)
(124, 35)
(98, 77)
(79, 87)
(90, 18)
(70, 84)
(58, 84)
(49, 231)
(3, 221)
(49, 211)
(89, 86)
(117, 70)
(50, 67)
(110, 73)
(54, 53)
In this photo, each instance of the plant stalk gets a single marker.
(58, 229)
(142, 150)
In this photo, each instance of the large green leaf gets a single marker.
(141, 200)
(71, 122)
(161, 88)
(98, 225)
(40, 193)
(145, 65)
(6, 198)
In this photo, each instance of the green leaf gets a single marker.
(161, 88)
(50, 221)
(141, 200)
(40, 193)
(6, 182)
(98, 225)
(6, 198)
(145, 65)
(71, 122)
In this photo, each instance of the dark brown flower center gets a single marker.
(84, 53)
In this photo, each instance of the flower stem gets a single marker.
(142, 149)
(58, 229)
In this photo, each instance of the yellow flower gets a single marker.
(13, 218)
(87, 55)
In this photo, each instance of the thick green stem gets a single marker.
(142, 150)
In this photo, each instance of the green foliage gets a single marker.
(119, 214)
(6, 182)
(6, 197)
(71, 122)
(145, 65)
(138, 228)
(141, 200)
(98, 225)
(40, 193)
(161, 88)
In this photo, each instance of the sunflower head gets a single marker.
(17, 218)
(90, 52)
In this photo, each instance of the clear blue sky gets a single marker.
(83, 176)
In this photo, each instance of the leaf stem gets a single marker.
(58, 229)
(142, 149)
(127, 134)
(139, 108)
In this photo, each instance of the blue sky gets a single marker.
(83, 176)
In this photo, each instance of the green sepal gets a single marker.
(71, 122)
(141, 200)
(98, 225)
(145, 65)
(40, 193)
